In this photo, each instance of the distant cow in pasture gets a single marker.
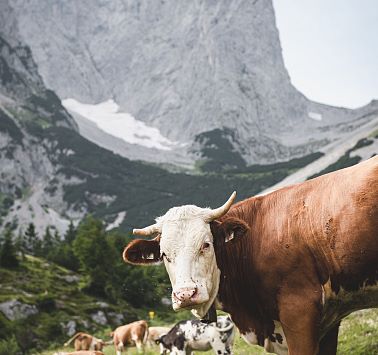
(288, 266)
(80, 352)
(133, 334)
(154, 333)
(84, 341)
(187, 336)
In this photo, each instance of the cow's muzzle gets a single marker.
(184, 296)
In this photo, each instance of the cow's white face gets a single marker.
(185, 243)
(186, 246)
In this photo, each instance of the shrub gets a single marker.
(9, 347)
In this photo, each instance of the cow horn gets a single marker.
(221, 211)
(147, 230)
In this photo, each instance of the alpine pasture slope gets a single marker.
(358, 336)
(56, 167)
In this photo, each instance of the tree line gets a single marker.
(93, 253)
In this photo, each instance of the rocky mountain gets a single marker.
(188, 75)
(51, 174)
(27, 108)
(359, 145)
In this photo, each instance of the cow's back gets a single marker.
(337, 216)
(140, 331)
(129, 332)
(321, 232)
(83, 342)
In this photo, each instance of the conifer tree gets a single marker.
(70, 235)
(62, 252)
(31, 238)
(20, 244)
(57, 240)
(8, 252)
(94, 254)
(47, 243)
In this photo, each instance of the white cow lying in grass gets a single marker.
(190, 335)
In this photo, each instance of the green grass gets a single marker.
(359, 333)
(358, 336)
(240, 348)
(42, 284)
(38, 282)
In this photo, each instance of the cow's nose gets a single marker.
(184, 294)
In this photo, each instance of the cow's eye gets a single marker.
(166, 257)
(205, 246)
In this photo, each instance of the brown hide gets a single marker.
(83, 341)
(131, 334)
(306, 244)
(154, 333)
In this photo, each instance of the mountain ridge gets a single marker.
(184, 69)
(51, 174)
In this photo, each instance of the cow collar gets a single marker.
(210, 316)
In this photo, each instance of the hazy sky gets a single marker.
(330, 48)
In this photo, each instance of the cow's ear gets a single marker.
(142, 252)
(231, 228)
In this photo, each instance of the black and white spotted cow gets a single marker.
(190, 335)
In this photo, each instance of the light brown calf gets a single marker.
(154, 333)
(133, 334)
(84, 341)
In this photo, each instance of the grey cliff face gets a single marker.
(208, 75)
(28, 160)
(185, 67)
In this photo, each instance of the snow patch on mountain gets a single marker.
(122, 125)
(315, 116)
(117, 222)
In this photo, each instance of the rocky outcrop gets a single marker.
(31, 184)
(99, 317)
(15, 310)
(184, 67)
(69, 328)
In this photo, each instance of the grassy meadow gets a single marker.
(59, 296)
(45, 285)
(241, 347)
(358, 336)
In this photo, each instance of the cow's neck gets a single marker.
(211, 315)
(239, 286)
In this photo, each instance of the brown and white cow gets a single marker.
(288, 266)
(84, 341)
(132, 334)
